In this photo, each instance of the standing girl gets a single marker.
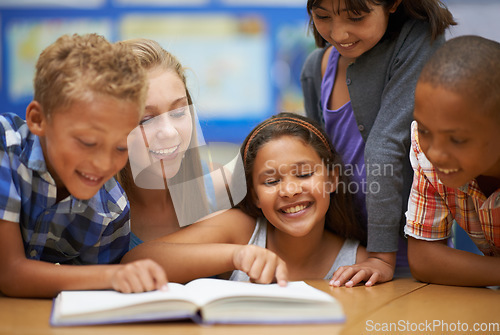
(360, 85)
(296, 221)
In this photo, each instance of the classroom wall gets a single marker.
(478, 17)
(244, 56)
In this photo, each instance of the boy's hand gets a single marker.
(139, 276)
(260, 264)
(372, 270)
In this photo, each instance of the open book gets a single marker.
(203, 300)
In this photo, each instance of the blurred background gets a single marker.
(244, 56)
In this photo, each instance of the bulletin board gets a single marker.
(243, 56)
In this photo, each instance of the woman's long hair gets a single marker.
(152, 57)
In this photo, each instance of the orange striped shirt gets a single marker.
(432, 206)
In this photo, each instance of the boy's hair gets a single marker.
(469, 66)
(432, 11)
(78, 67)
(340, 217)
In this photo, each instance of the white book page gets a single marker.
(206, 290)
(80, 302)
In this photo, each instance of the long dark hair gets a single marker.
(433, 11)
(340, 218)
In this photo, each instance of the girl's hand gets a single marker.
(138, 276)
(372, 270)
(260, 264)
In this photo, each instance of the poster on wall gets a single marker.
(228, 58)
(53, 3)
(1, 62)
(266, 3)
(159, 3)
(25, 40)
(293, 45)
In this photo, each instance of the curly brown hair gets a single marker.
(78, 67)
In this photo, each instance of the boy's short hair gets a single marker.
(75, 68)
(470, 66)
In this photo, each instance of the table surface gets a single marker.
(403, 302)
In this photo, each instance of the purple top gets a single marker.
(342, 128)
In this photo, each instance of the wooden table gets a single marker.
(435, 309)
(367, 309)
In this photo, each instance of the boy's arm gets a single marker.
(435, 262)
(22, 277)
(209, 248)
(202, 249)
(187, 261)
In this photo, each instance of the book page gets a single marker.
(81, 302)
(206, 290)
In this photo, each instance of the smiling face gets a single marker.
(350, 33)
(85, 144)
(291, 186)
(461, 142)
(165, 130)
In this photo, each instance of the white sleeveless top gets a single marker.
(346, 255)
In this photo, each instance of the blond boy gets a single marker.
(59, 203)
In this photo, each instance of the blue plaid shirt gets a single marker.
(73, 231)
